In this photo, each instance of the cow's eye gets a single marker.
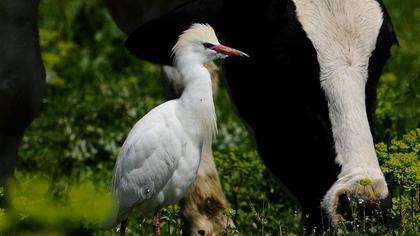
(208, 45)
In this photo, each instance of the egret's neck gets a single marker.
(196, 80)
(197, 98)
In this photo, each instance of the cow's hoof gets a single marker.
(355, 197)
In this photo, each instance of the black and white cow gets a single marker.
(308, 91)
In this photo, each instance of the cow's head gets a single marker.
(352, 40)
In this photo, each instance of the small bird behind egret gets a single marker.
(161, 155)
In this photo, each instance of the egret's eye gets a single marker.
(208, 45)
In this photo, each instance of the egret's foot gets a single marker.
(123, 226)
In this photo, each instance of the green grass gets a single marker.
(399, 88)
(96, 91)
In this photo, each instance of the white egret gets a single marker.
(161, 155)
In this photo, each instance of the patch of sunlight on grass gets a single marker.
(33, 202)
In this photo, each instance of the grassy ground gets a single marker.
(96, 91)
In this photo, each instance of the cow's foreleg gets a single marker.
(9, 145)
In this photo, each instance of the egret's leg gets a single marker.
(156, 222)
(123, 226)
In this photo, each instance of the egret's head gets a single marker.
(200, 42)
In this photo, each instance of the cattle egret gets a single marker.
(161, 155)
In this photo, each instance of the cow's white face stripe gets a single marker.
(344, 34)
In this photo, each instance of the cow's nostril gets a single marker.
(386, 203)
(343, 208)
(201, 232)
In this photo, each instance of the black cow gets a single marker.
(22, 77)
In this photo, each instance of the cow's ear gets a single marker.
(154, 40)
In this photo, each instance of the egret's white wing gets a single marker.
(148, 157)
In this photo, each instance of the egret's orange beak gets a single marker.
(228, 51)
